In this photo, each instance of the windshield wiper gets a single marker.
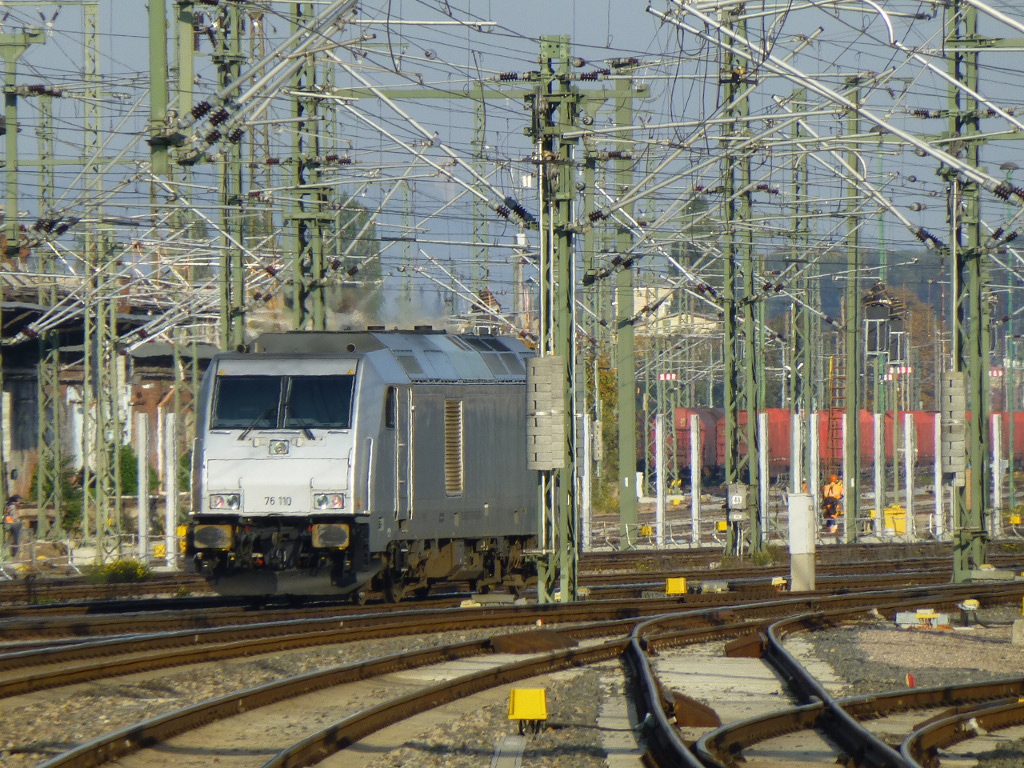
(270, 411)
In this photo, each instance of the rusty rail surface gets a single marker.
(665, 747)
(922, 746)
(88, 661)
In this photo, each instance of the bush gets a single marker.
(118, 572)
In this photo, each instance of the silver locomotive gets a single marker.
(340, 462)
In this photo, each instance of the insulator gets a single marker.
(505, 77)
(331, 158)
(502, 211)
(616, 260)
(219, 116)
(336, 264)
(596, 216)
(201, 109)
(1002, 190)
(588, 76)
(236, 135)
(273, 160)
(60, 229)
(271, 270)
(921, 113)
(213, 137)
(352, 271)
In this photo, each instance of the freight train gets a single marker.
(344, 462)
(711, 446)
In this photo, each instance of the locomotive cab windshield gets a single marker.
(282, 402)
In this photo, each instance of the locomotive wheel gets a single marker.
(359, 597)
(394, 588)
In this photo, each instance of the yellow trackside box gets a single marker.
(722, 526)
(675, 586)
(528, 704)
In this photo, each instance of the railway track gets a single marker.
(633, 635)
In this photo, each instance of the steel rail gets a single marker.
(722, 745)
(674, 629)
(348, 731)
(123, 742)
(921, 747)
(96, 660)
(665, 746)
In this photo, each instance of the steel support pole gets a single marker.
(555, 104)
(852, 336)
(971, 310)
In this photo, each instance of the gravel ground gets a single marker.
(58, 720)
(568, 740)
(878, 657)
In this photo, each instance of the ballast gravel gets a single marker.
(59, 720)
(879, 657)
(869, 658)
(569, 739)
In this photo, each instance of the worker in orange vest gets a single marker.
(831, 495)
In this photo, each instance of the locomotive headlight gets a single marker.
(328, 500)
(278, 447)
(225, 501)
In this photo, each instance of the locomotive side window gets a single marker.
(246, 402)
(323, 402)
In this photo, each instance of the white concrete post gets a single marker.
(879, 444)
(802, 528)
(909, 454)
(142, 458)
(814, 471)
(171, 490)
(762, 462)
(938, 526)
(586, 482)
(796, 454)
(695, 479)
(995, 519)
(659, 480)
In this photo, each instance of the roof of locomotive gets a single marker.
(420, 355)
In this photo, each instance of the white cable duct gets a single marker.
(772, 64)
